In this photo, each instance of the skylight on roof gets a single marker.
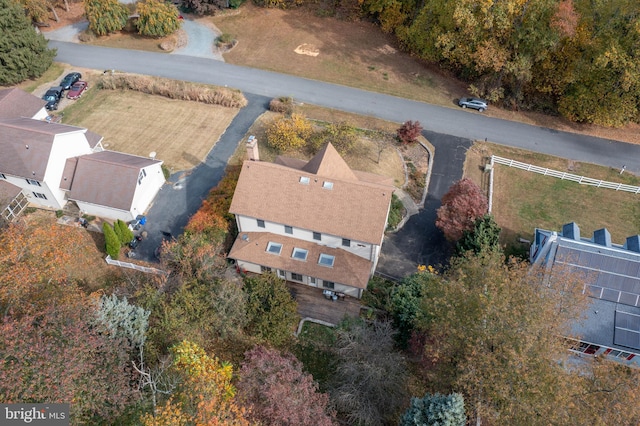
(274, 248)
(327, 185)
(299, 254)
(304, 180)
(326, 260)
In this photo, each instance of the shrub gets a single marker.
(282, 105)
(342, 136)
(59, 213)
(173, 89)
(224, 38)
(112, 243)
(409, 132)
(289, 133)
(395, 213)
(166, 172)
(105, 16)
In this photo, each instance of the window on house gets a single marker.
(327, 185)
(274, 248)
(288, 229)
(2, 176)
(260, 223)
(317, 236)
(33, 182)
(326, 260)
(39, 195)
(282, 274)
(312, 280)
(296, 277)
(304, 180)
(299, 254)
(265, 269)
(346, 242)
(328, 284)
(141, 176)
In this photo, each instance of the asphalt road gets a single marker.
(449, 121)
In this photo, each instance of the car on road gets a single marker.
(70, 79)
(77, 89)
(53, 96)
(475, 103)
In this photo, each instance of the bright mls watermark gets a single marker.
(37, 414)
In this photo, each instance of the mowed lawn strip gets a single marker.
(525, 200)
(181, 133)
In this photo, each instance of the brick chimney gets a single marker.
(252, 149)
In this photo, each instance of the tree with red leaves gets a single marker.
(276, 390)
(461, 206)
(58, 355)
(409, 132)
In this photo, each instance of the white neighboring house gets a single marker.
(317, 223)
(112, 184)
(53, 164)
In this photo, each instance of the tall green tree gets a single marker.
(111, 240)
(271, 311)
(23, 52)
(485, 235)
(494, 334)
(106, 16)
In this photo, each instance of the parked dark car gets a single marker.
(53, 96)
(77, 89)
(70, 79)
(475, 103)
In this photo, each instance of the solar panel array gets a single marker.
(609, 277)
(627, 331)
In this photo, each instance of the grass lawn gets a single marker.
(524, 200)
(180, 132)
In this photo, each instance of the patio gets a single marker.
(312, 304)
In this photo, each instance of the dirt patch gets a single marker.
(307, 49)
(75, 14)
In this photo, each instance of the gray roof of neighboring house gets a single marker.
(106, 178)
(26, 144)
(612, 279)
(16, 103)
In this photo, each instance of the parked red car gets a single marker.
(77, 89)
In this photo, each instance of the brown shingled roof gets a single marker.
(107, 178)
(353, 208)
(16, 103)
(26, 144)
(348, 268)
(8, 192)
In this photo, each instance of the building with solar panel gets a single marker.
(612, 324)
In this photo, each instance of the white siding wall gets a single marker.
(64, 146)
(106, 212)
(50, 202)
(364, 250)
(147, 190)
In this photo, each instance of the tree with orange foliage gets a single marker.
(461, 206)
(34, 266)
(205, 395)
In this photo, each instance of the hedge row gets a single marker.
(173, 89)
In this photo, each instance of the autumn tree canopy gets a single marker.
(277, 391)
(461, 206)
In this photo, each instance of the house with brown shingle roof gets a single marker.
(52, 164)
(16, 103)
(317, 223)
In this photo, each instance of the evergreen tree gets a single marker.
(157, 18)
(485, 235)
(111, 240)
(105, 16)
(435, 410)
(23, 52)
(123, 232)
